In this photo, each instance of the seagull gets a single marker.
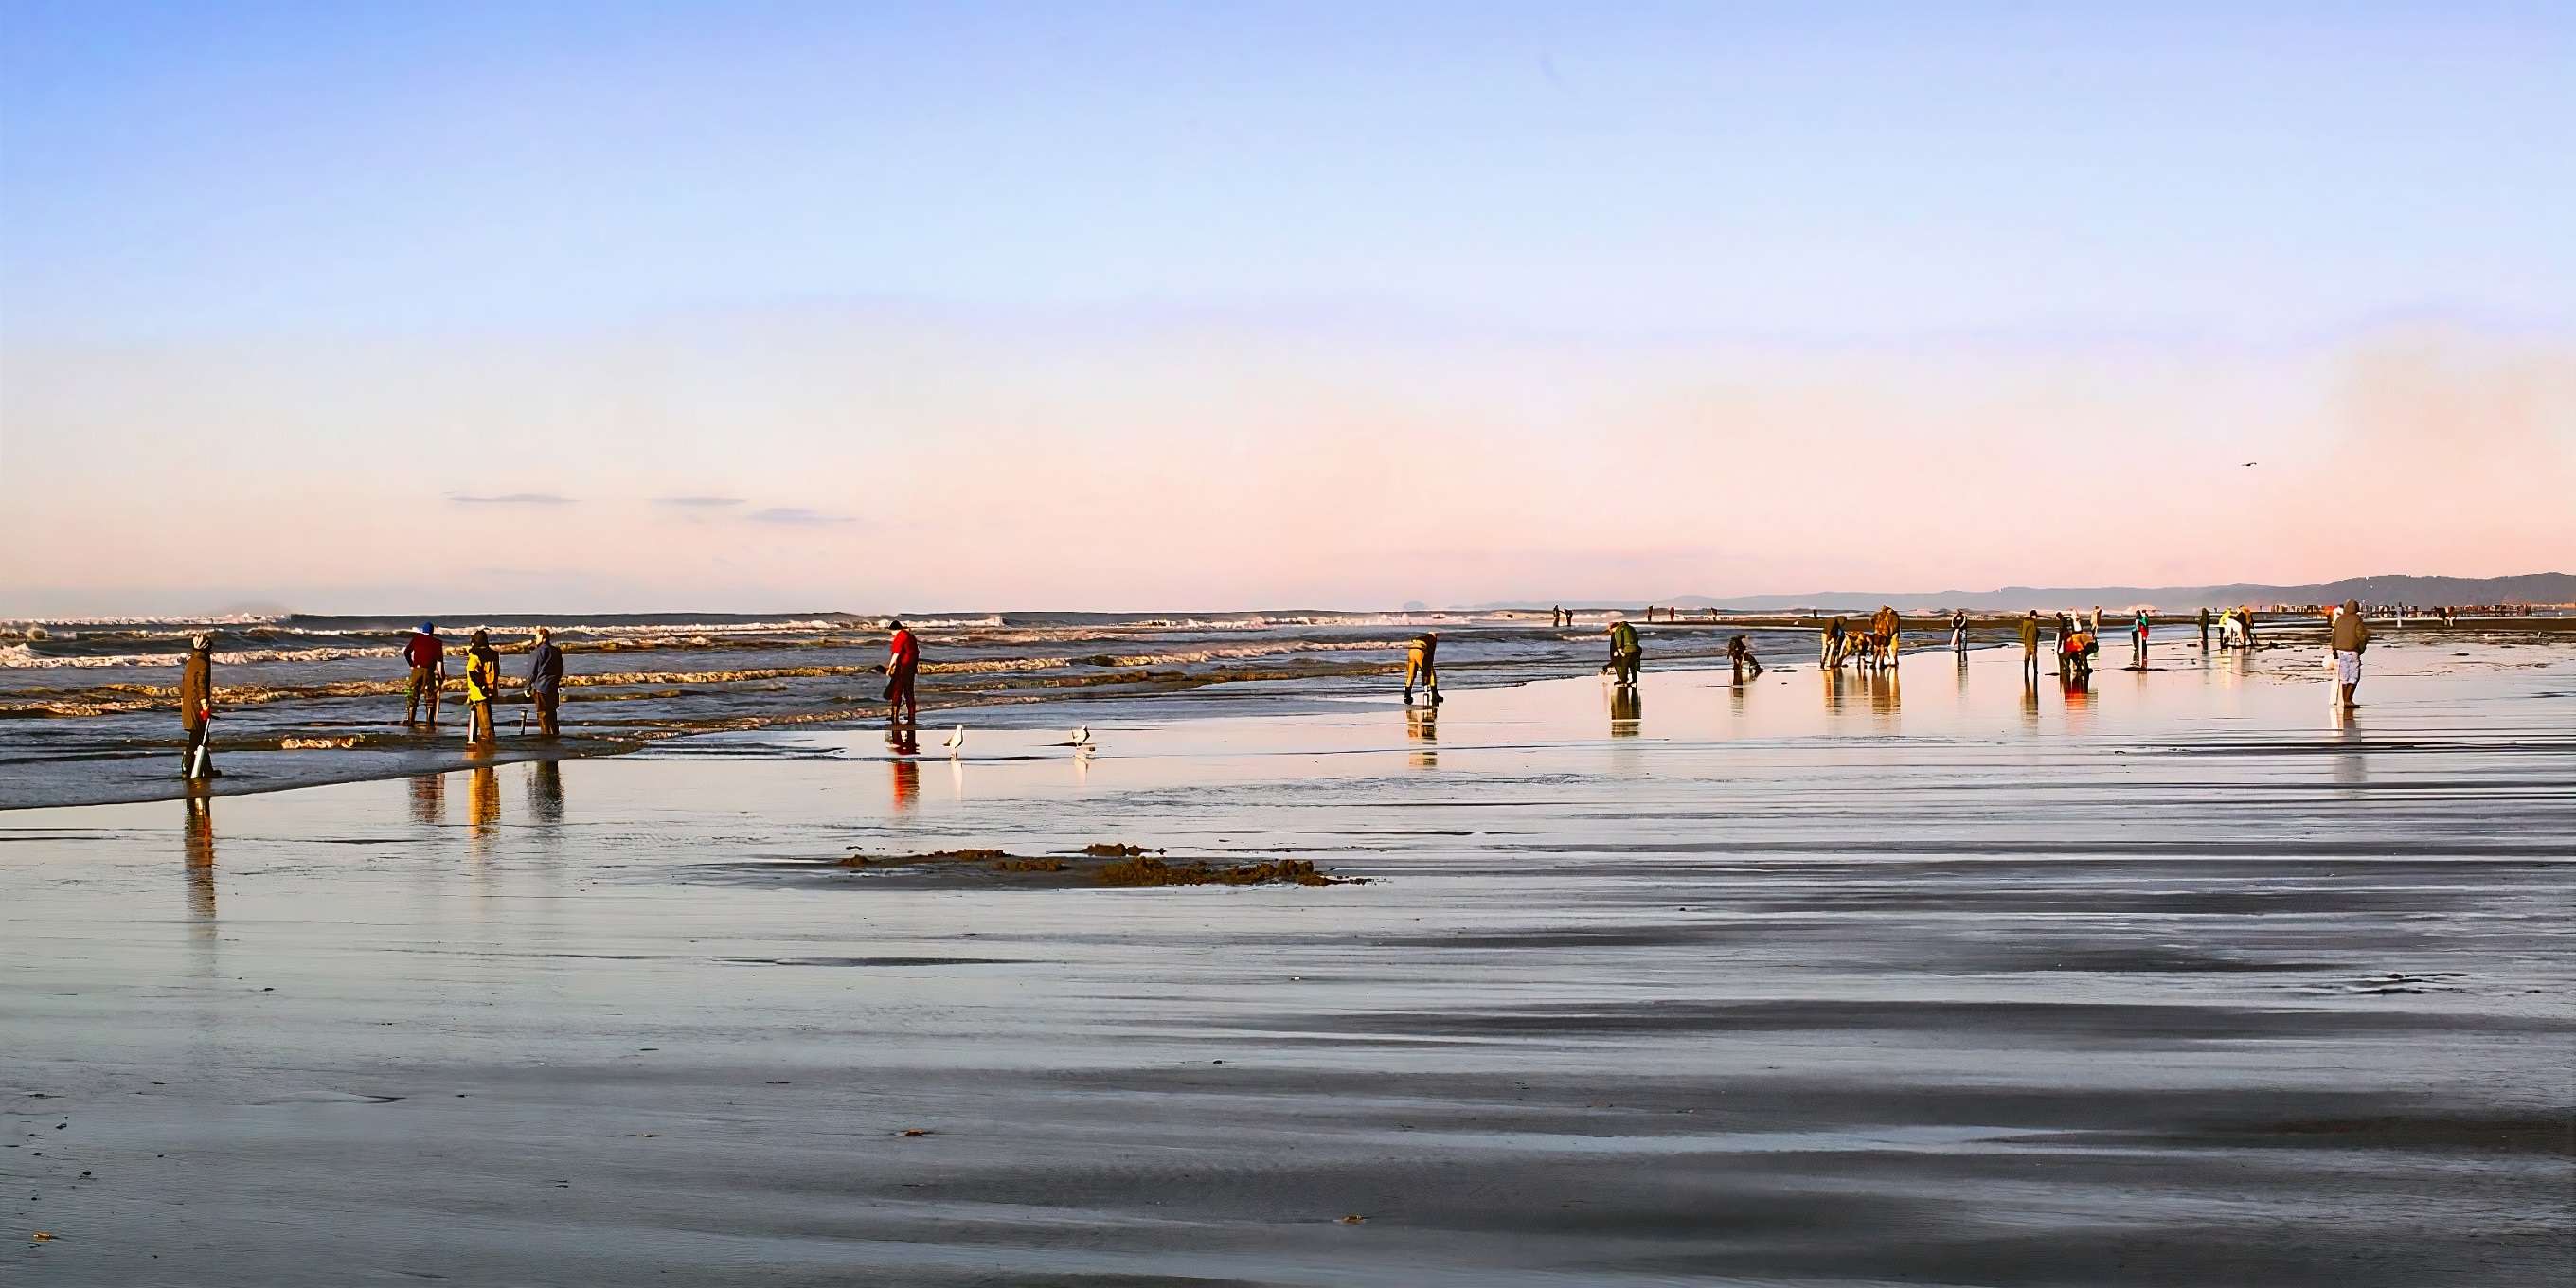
(956, 739)
(2250, 464)
(1082, 736)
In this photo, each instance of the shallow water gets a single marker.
(1946, 978)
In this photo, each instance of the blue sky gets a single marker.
(2238, 169)
(432, 306)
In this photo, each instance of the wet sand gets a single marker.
(1944, 979)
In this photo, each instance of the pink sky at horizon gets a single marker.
(884, 458)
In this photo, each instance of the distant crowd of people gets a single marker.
(2077, 641)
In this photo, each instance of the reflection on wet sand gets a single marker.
(2030, 701)
(200, 851)
(429, 800)
(1883, 695)
(2351, 768)
(545, 793)
(1627, 708)
(1422, 724)
(483, 808)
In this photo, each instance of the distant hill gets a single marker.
(2531, 588)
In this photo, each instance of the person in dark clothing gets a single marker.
(1740, 655)
(428, 658)
(1625, 654)
(545, 681)
(2204, 628)
(197, 708)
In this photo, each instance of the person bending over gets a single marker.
(1421, 661)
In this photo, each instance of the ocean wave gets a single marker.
(22, 657)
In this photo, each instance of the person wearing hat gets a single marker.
(428, 658)
(2351, 636)
(482, 684)
(545, 680)
(197, 707)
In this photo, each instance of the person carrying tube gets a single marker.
(197, 708)
(1420, 661)
(482, 684)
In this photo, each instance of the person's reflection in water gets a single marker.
(2030, 701)
(545, 793)
(199, 841)
(1627, 707)
(1833, 688)
(483, 808)
(428, 800)
(2351, 772)
(905, 744)
(1422, 725)
(1883, 695)
(907, 783)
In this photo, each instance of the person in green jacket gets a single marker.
(1624, 653)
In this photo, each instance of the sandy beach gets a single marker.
(1811, 980)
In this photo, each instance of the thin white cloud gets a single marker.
(794, 514)
(515, 498)
(701, 501)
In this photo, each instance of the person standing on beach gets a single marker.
(1958, 630)
(1625, 655)
(482, 682)
(545, 681)
(197, 708)
(2138, 641)
(2204, 628)
(428, 657)
(903, 663)
(1420, 660)
(2097, 621)
(2030, 642)
(2350, 635)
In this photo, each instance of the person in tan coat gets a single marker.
(2351, 636)
(197, 707)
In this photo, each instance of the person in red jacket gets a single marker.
(903, 661)
(428, 658)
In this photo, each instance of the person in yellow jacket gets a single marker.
(482, 684)
(1421, 659)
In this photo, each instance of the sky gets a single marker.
(761, 306)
